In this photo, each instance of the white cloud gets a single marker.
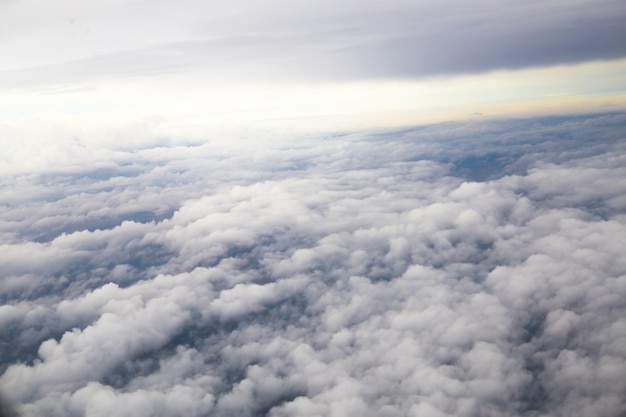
(365, 274)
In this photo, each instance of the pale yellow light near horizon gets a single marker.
(191, 103)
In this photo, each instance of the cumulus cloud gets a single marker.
(385, 273)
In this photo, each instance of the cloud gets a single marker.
(344, 40)
(384, 273)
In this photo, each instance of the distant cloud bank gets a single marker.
(273, 40)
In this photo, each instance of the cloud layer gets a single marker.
(69, 44)
(470, 269)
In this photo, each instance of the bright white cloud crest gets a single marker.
(375, 274)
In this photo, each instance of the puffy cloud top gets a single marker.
(470, 269)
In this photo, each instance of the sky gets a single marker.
(331, 208)
(202, 65)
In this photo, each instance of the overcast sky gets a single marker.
(262, 60)
(304, 40)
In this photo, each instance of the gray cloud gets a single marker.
(380, 273)
(326, 41)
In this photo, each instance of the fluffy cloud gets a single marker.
(370, 274)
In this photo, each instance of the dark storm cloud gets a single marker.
(327, 41)
(364, 274)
